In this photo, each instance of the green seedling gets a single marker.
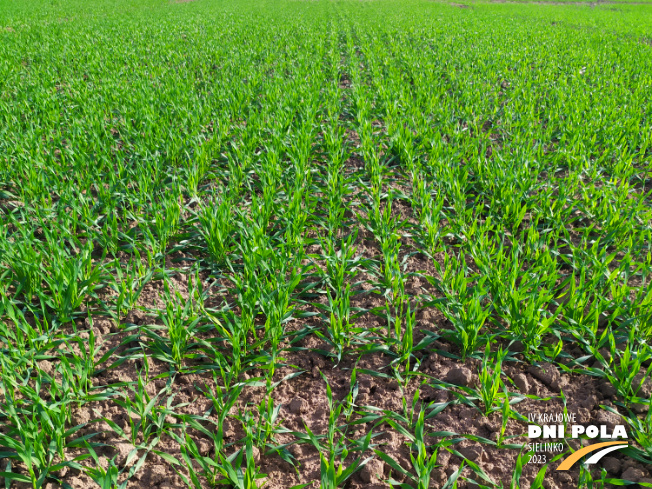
(334, 452)
(239, 470)
(181, 322)
(490, 378)
(216, 227)
(423, 463)
(37, 432)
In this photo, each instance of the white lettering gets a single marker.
(533, 431)
(550, 431)
(592, 431)
(619, 432)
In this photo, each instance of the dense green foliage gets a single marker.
(263, 146)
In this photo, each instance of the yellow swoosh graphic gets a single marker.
(570, 461)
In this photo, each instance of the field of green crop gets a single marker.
(327, 244)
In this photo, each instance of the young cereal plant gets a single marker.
(336, 180)
(352, 396)
(644, 312)
(401, 335)
(490, 378)
(340, 320)
(422, 464)
(238, 163)
(105, 478)
(77, 370)
(238, 470)
(223, 399)
(128, 285)
(264, 285)
(36, 432)
(147, 421)
(166, 215)
(626, 369)
(521, 297)
(334, 453)
(429, 214)
(19, 339)
(268, 419)
(216, 226)
(281, 278)
(265, 422)
(385, 228)
(181, 321)
(341, 267)
(463, 305)
(296, 217)
(409, 417)
(110, 235)
(194, 169)
(70, 280)
(23, 255)
(509, 200)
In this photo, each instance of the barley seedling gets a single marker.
(216, 226)
(490, 378)
(147, 421)
(450, 273)
(422, 463)
(268, 419)
(409, 417)
(77, 370)
(235, 330)
(340, 320)
(400, 331)
(465, 310)
(334, 453)
(385, 229)
(461, 217)
(24, 259)
(128, 285)
(278, 310)
(508, 202)
(407, 335)
(238, 470)
(181, 323)
(296, 217)
(18, 338)
(166, 215)
(341, 266)
(429, 218)
(105, 478)
(506, 414)
(36, 432)
(336, 181)
(70, 279)
(644, 313)
(141, 411)
(238, 165)
(223, 400)
(352, 396)
(521, 460)
(625, 366)
(521, 297)
(197, 167)
(110, 235)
